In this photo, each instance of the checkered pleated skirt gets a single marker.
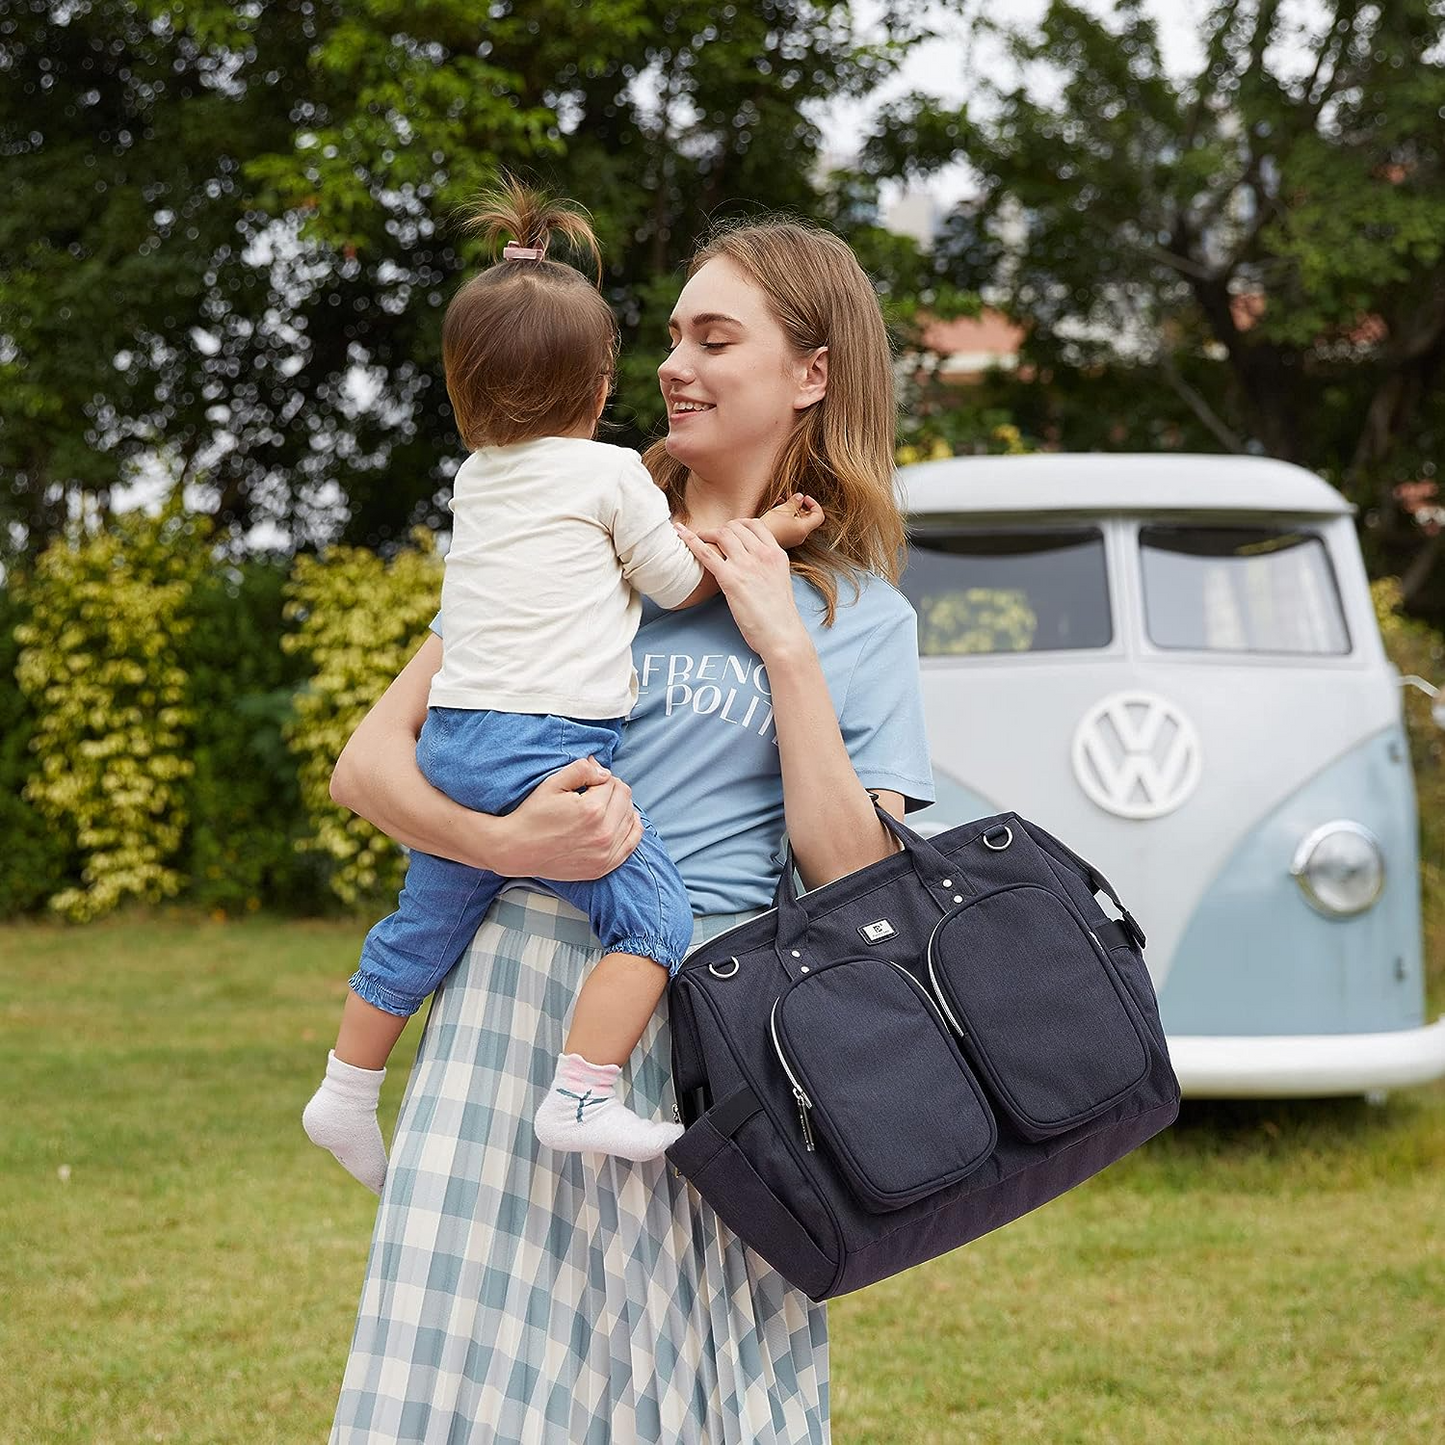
(522, 1296)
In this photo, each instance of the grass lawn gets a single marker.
(179, 1264)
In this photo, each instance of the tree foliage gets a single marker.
(40, 858)
(176, 719)
(131, 315)
(232, 232)
(242, 802)
(1253, 255)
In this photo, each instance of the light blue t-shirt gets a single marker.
(700, 749)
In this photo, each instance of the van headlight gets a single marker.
(1340, 868)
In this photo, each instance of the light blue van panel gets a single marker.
(1257, 959)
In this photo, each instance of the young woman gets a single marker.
(519, 1294)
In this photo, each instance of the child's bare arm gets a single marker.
(794, 521)
(790, 522)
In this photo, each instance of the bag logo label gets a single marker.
(877, 932)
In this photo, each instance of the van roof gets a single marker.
(1147, 482)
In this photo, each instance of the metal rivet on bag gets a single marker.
(958, 897)
(947, 883)
(796, 954)
(804, 969)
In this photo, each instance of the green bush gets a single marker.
(1415, 647)
(167, 737)
(358, 618)
(100, 666)
(40, 858)
(242, 800)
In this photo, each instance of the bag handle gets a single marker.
(1096, 880)
(935, 873)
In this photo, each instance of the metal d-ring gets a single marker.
(999, 847)
(712, 968)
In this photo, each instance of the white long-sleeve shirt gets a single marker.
(553, 540)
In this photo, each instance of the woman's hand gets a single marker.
(555, 832)
(559, 833)
(752, 572)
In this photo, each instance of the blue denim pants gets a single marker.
(490, 761)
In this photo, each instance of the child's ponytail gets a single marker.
(530, 217)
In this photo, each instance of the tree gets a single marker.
(659, 117)
(121, 246)
(151, 302)
(1262, 245)
(233, 241)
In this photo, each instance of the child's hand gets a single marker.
(794, 521)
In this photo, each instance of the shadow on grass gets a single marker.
(1211, 1122)
(1337, 1143)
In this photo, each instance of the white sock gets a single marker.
(581, 1113)
(341, 1117)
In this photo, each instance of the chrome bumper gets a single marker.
(1307, 1065)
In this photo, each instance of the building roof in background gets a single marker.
(972, 344)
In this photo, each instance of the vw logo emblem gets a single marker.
(1136, 755)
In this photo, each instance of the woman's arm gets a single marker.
(555, 832)
(830, 819)
(829, 816)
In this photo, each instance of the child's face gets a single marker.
(732, 382)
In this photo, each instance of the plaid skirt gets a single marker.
(522, 1296)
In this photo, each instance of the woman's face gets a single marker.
(732, 382)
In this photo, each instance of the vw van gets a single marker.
(1173, 663)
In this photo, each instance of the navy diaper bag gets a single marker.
(893, 1064)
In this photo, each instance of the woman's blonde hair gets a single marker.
(840, 451)
(527, 343)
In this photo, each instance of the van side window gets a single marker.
(1240, 589)
(983, 590)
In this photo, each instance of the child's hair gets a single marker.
(527, 343)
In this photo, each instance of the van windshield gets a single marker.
(981, 590)
(1240, 589)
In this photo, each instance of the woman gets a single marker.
(520, 1295)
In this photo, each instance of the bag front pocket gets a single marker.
(874, 1067)
(1039, 1007)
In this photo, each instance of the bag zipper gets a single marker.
(938, 992)
(817, 892)
(824, 887)
(768, 912)
(923, 992)
(804, 1102)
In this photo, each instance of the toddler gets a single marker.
(554, 537)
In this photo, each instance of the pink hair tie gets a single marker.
(513, 252)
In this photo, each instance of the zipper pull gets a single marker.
(804, 1104)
